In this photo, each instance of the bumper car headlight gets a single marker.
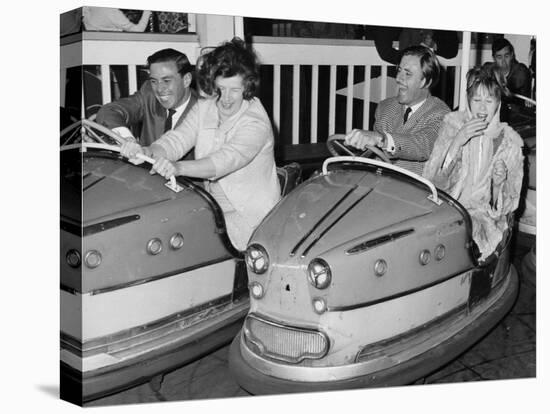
(257, 259)
(92, 259)
(380, 267)
(257, 290)
(319, 274)
(154, 246)
(176, 241)
(319, 305)
(439, 252)
(425, 257)
(73, 258)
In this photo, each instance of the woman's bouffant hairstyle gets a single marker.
(227, 60)
(487, 77)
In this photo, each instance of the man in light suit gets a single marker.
(160, 104)
(406, 126)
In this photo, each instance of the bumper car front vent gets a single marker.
(284, 343)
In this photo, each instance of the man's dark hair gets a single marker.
(171, 55)
(428, 62)
(500, 44)
(228, 60)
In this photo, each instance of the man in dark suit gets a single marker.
(159, 105)
(517, 77)
(406, 126)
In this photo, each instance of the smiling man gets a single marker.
(160, 104)
(406, 125)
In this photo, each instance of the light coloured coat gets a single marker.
(241, 149)
(468, 177)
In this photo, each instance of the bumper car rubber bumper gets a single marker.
(405, 373)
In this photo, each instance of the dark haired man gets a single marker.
(517, 75)
(406, 126)
(159, 105)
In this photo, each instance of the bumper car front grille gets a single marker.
(284, 343)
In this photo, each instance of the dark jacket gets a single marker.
(141, 112)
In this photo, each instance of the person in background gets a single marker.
(406, 125)
(161, 103)
(443, 43)
(517, 75)
(113, 20)
(478, 160)
(169, 22)
(233, 140)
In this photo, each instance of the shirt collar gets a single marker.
(179, 110)
(415, 107)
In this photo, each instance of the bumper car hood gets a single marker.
(339, 209)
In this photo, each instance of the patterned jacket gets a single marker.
(413, 140)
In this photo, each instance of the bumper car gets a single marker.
(523, 120)
(364, 276)
(149, 278)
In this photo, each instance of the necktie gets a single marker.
(168, 122)
(407, 113)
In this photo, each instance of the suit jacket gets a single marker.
(415, 139)
(142, 113)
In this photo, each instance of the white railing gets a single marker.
(128, 49)
(131, 49)
(300, 52)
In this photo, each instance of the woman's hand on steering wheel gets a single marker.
(164, 168)
(130, 150)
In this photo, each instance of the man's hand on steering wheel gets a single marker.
(359, 138)
(356, 144)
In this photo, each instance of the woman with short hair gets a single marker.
(478, 160)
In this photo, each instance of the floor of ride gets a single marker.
(507, 352)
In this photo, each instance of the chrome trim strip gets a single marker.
(302, 240)
(93, 183)
(70, 226)
(137, 334)
(306, 251)
(148, 279)
(109, 224)
(369, 244)
(395, 296)
(377, 349)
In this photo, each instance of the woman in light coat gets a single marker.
(478, 160)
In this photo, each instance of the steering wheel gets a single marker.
(86, 130)
(336, 146)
